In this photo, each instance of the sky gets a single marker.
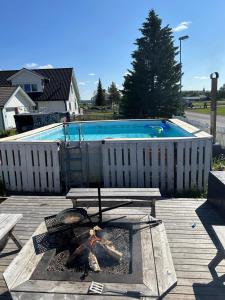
(96, 37)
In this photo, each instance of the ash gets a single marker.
(122, 240)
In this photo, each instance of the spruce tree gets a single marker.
(114, 94)
(151, 88)
(100, 95)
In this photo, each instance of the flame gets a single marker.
(93, 239)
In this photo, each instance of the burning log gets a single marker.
(93, 262)
(92, 245)
(81, 250)
(109, 250)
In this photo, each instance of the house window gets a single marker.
(34, 87)
(27, 88)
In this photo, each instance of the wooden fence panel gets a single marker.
(179, 164)
(30, 167)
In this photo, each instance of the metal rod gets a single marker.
(99, 205)
(64, 131)
(111, 208)
(180, 69)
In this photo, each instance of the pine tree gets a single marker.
(151, 88)
(221, 92)
(114, 95)
(100, 96)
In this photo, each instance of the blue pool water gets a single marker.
(94, 131)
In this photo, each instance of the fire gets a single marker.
(92, 240)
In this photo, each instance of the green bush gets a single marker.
(219, 163)
(9, 132)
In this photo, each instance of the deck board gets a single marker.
(192, 248)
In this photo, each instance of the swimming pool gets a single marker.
(95, 131)
(171, 155)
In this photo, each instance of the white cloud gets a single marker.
(48, 66)
(30, 65)
(126, 73)
(182, 26)
(36, 66)
(91, 74)
(201, 77)
(81, 83)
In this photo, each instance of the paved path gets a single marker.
(205, 118)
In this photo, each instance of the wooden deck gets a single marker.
(192, 247)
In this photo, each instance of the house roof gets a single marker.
(5, 93)
(55, 89)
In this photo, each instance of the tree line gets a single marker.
(111, 97)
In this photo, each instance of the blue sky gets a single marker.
(96, 37)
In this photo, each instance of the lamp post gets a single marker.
(214, 80)
(182, 38)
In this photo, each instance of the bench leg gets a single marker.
(153, 209)
(74, 202)
(15, 240)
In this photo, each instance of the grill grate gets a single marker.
(44, 242)
(53, 225)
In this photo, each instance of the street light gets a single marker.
(182, 38)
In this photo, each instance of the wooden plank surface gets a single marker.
(130, 193)
(7, 222)
(192, 248)
(166, 275)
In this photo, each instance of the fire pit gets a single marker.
(124, 253)
(84, 253)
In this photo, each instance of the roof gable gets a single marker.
(7, 92)
(27, 71)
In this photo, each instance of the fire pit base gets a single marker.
(127, 238)
(152, 273)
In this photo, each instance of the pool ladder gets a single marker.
(76, 166)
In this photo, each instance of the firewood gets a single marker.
(79, 239)
(82, 249)
(93, 262)
(110, 250)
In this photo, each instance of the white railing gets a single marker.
(172, 165)
(30, 166)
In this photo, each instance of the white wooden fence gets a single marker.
(172, 165)
(30, 166)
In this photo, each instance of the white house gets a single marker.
(13, 100)
(52, 90)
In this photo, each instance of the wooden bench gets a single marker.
(220, 234)
(112, 196)
(7, 224)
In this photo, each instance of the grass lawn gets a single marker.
(201, 103)
(96, 115)
(220, 110)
